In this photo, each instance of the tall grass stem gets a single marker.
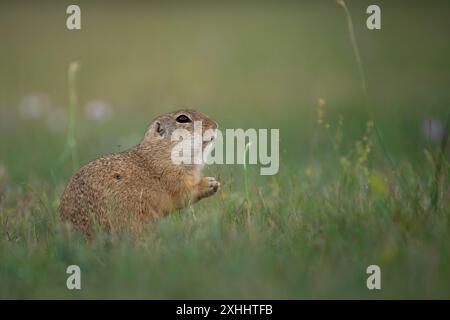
(362, 76)
(247, 193)
(73, 101)
(439, 161)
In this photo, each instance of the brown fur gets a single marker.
(140, 183)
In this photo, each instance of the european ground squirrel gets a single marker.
(140, 183)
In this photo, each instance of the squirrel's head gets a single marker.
(164, 126)
(162, 133)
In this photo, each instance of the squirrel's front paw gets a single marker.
(207, 187)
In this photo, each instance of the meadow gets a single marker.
(364, 174)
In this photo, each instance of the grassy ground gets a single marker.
(337, 205)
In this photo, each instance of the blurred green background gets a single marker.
(244, 64)
(247, 65)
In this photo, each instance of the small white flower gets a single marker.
(34, 106)
(432, 129)
(98, 110)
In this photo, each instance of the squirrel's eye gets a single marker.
(183, 119)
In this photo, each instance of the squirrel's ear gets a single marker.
(159, 130)
(155, 129)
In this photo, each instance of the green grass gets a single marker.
(300, 239)
(337, 205)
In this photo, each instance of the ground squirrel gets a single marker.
(142, 182)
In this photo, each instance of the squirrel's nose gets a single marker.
(209, 125)
(212, 125)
